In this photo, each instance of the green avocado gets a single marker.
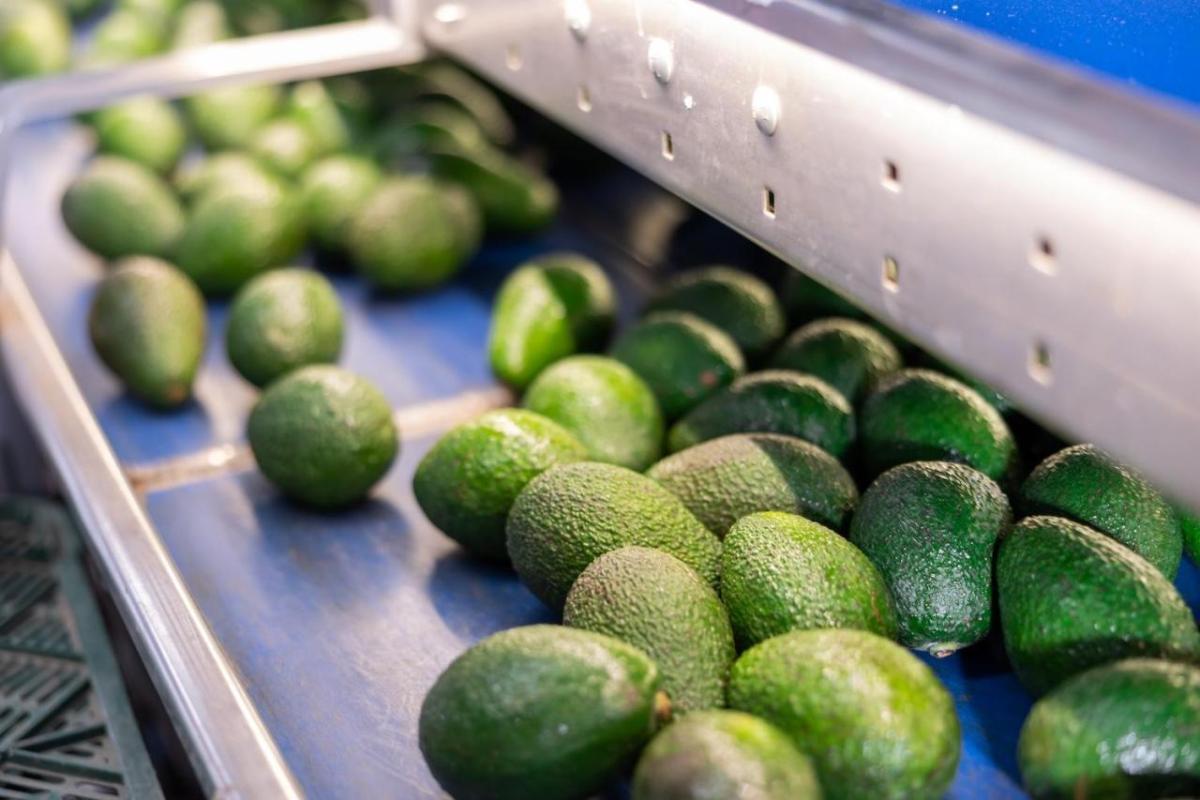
(229, 117)
(1122, 731)
(118, 207)
(608, 408)
(806, 300)
(469, 479)
(724, 479)
(125, 35)
(284, 146)
(332, 190)
(654, 601)
(931, 528)
(195, 177)
(444, 81)
(848, 355)
(323, 435)
(682, 358)
(546, 310)
(144, 129)
(876, 722)
(781, 572)
(147, 325)
(735, 301)
(724, 754)
(315, 109)
(1085, 484)
(572, 513)
(199, 22)
(414, 233)
(542, 712)
(772, 401)
(1189, 526)
(239, 229)
(1071, 598)
(406, 138)
(921, 415)
(513, 198)
(281, 321)
(35, 39)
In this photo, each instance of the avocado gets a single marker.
(806, 300)
(994, 398)
(735, 301)
(238, 229)
(654, 601)
(723, 754)
(931, 528)
(608, 408)
(35, 39)
(414, 233)
(682, 358)
(230, 116)
(323, 435)
(772, 401)
(144, 129)
(1189, 527)
(724, 479)
(408, 136)
(199, 22)
(848, 355)
(781, 572)
(147, 324)
(118, 207)
(542, 712)
(125, 35)
(469, 479)
(284, 146)
(572, 513)
(312, 106)
(333, 189)
(921, 415)
(875, 721)
(232, 167)
(513, 197)
(1072, 598)
(283, 320)
(1087, 485)
(546, 310)
(1123, 731)
(438, 79)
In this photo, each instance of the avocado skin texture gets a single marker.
(573, 513)
(281, 321)
(512, 197)
(147, 325)
(414, 233)
(876, 722)
(608, 408)
(806, 300)
(772, 401)
(323, 435)
(144, 129)
(35, 39)
(1086, 485)
(469, 479)
(285, 146)
(735, 301)
(921, 415)
(724, 754)
(781, 572)
(231, 167)
(546, 310)
(1123, 731)
(1071, 598)
(682, 358)
(1189, 526)
(543, 712)
(239, 229)
(723, 480)
(230, 117)
(332, 191)
(118, 207)
(654, 601)
(848, 355)
(931, 528)
(316, 110)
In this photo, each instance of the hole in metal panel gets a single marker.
(1039, 363)
(512, 57)
(1043, 258)
(769, 202)
(668, 146)
(891, 274)
(583, 98)
(891, 176)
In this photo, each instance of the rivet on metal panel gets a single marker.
(1042, 256)
(662, 60)
(891, 274)
(579, 18)
(449, 14)
(1039, 363)
(766, 108)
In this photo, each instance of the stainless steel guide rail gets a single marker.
(943, 182)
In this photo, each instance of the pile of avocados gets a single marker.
(746, 531)
(232, 197)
